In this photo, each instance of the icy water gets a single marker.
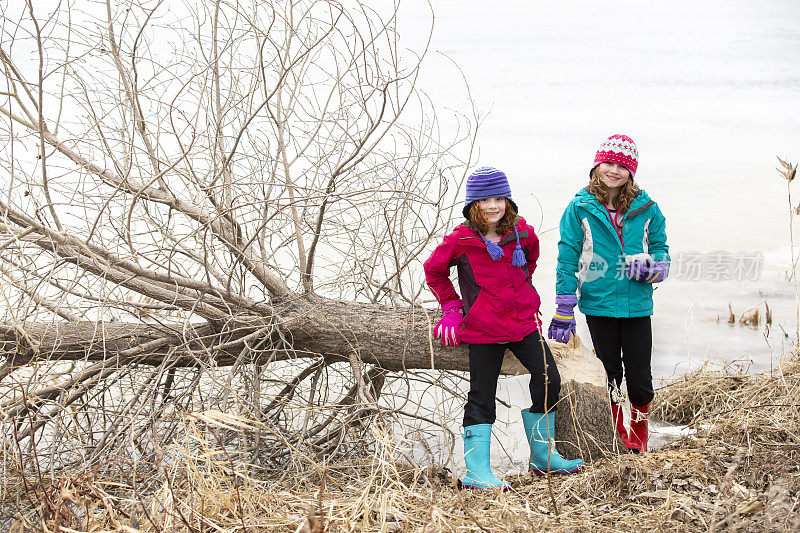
(710, 91)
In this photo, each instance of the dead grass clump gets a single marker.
(764, 411)
(750, 317)
(714, 386)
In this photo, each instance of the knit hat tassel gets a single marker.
(494, 249)
(518, 259)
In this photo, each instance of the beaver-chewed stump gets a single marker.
(583, 419)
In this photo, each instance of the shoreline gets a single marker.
(740, 471)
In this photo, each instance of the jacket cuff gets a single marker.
(452, 305)
(566, 299)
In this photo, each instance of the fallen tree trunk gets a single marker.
(394, 339)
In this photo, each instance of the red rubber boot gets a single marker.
(639, 430)
(619, 423)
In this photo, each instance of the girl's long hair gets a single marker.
(626, 194)
(505, 224)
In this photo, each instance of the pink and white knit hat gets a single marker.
(618, 149)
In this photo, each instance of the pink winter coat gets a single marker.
(500, 303)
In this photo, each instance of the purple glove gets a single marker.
(448, 326)
(641, 267)
(563, 323)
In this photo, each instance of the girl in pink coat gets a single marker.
(495, 252)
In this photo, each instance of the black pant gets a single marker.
(633, 337)
(485, 361)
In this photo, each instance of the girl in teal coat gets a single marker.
(613, 249)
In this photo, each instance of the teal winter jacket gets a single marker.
(591, 256)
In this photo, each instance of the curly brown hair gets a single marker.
(505, 224)
(626, 194)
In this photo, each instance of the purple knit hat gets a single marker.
(487, 182)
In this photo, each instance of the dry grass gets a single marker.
(710, 388)
(741, 471)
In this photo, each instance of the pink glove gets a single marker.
(448, 326)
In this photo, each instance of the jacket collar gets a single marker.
(641, 201)
(593, 205)
(469, 235)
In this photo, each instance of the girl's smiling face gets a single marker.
(613, 175)
(493, 209)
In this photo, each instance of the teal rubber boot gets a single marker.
(536, 429)
(477, 439)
